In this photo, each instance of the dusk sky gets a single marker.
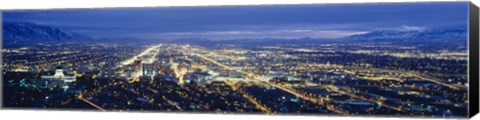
(238, 22)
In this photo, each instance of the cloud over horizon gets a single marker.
(226, 35)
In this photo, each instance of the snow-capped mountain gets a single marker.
(429, 35)
(28, 32)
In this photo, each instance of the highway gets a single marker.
(174, 67)
(336, 89)
(257, 104)
(146, 51)
(311, 99)
(414, 74)
(89, 102)
(314, 100)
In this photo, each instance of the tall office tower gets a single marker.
(110, 67)
(83, 68)
(143, 69)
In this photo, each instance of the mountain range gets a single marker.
(28, 32)
(428, 35)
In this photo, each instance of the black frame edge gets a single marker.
(1, 61)
(474, 52)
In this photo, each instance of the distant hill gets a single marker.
(28, 32)
(429, 36)
(261, 41)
